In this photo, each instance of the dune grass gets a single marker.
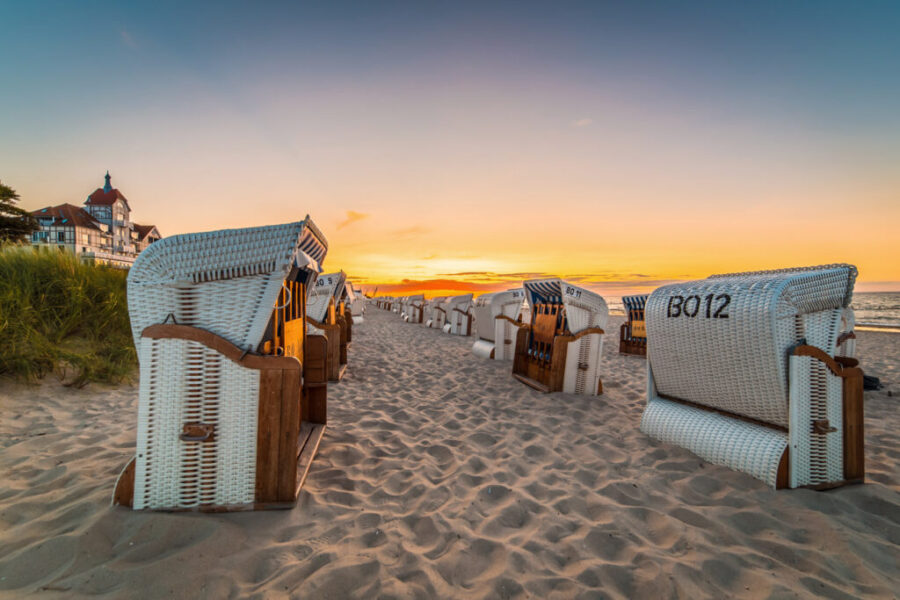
(59, 314)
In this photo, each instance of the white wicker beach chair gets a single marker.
(219, 324)
(413, 309)
(496, 323)
(742, 372)
(435, 313)
(458, 315)
(324, 318)
(354, 302)
(560, 348)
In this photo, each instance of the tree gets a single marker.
(15, 223)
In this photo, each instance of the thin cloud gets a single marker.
(582, 122)
(352, 217)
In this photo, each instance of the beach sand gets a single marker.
(440, 476)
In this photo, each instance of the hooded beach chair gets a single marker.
(633, 333)
(742, 373)
(560, 348)
(325, 319)
(357, 302)
(415, 309)
(496, 323)
(435, 313)
(458, 315)
(226, 417)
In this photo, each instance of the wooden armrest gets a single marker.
(822, 356)
(323, 326)
(215, 342)
(511, 320)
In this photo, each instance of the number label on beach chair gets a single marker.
(572, 292)
(710, 306)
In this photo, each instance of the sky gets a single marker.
(447, 147)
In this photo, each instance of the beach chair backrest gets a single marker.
(488, 307)
(324, 296)
(723, 342)
(226, 282)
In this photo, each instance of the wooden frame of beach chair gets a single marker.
(229, 416)
(497, 323)
(325, 318)
(560, 348)
(741, 372)
(633, 332)
(458, 315)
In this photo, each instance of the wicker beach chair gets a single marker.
(633, 333)
(324, 318)
(458, 313)
(357, 304)
(560, 348)
(414, 309)
(742, 372)
(496, 323)
(435, 313)
(227, 419)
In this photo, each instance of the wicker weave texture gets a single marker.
(737, 362)
(816, 394)
(223, 281)
(721, 440)
(185, 382)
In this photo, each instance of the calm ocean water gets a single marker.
(877, 308)
(873, 308)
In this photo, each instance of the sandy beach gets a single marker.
(440, 476)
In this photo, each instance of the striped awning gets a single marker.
(543, 290)
(634, 302)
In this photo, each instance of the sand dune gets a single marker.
(440, 476)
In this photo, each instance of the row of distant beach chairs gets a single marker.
(238, 333)
(755, 371)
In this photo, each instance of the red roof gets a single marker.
(67, 214)
(143, 230)
(100, 197)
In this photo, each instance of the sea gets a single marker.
(873, 309)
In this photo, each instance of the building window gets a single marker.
(60, 236)
(84, 238)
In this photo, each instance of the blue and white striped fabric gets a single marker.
(633, 303)
(544, 291)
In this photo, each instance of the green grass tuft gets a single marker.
(59, 314)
